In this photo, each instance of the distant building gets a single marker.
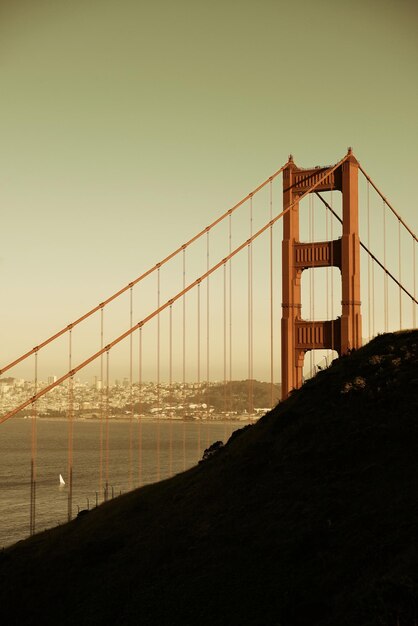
(4, 387)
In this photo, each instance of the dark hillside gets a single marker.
(310, 517)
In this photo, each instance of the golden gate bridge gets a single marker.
(211, 309)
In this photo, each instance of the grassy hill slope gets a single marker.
(310, 517)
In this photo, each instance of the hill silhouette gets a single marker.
(309, 517)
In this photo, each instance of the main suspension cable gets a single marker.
(381, 265)
(141, 277)
(179, 295)
(386, 201)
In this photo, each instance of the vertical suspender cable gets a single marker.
(158, 380)
(311, 283)
(225, 350)
(32, 512)
(369, 300)
(140, 407)
(371, 272)
(184, 359)
(400, 274)
(225, 374)
(327, 215)
(227, 423)
(414, 306)
(271, 298)
(313, 279)
(106, 489)
(131, 415)
(385, 277)
(230, 314)
(249, 331)
(249, 328)
(251, 318)
(170, 384)
(332, 275)
(158, 337)
(373, 302)
(101, 391)
(70, 428)
(198, 367)
(207, 336)
(250, 313)
(310, 275)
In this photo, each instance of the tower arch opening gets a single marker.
(317, 360)
(321, 293)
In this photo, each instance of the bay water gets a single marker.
(139, 453)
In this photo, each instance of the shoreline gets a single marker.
(144, 418)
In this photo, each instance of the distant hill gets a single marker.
(235, 395)
(307, 518)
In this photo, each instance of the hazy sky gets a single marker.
(126, 126)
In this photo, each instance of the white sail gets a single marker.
(62, 481)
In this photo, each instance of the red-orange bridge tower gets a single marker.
(341, 334)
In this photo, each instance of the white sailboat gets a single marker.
(62, 481)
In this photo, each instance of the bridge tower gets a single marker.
(341, 334)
